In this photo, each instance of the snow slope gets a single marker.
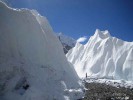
(67, 42)
(103, 56)
(32, 63)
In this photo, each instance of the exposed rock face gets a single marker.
(102, 91)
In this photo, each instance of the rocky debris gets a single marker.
(102, 91)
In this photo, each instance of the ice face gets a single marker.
(103, 56)
(32, 59)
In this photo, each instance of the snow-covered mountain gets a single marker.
(32, 63)
(103, 56)
(67, 42)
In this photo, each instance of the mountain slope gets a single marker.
(32, 63)
(67, 42)
(103, 56)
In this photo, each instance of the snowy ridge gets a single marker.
(29, 68)
(103, 56)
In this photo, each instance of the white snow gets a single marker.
(31, 54)
(103, 56)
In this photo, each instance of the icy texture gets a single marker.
(32, 63)
(103, 56)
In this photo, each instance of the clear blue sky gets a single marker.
(78, 18)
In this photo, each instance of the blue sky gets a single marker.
(77, 18)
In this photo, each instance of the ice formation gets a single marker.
(32, 63)
(103, 56)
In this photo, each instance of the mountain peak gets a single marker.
(66, 39)
(102, 34)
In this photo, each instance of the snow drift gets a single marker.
(32, 63)
(103, 56)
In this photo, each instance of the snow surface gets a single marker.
(103, 56)
(31, 54)
(114, 83)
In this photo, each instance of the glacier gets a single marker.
(32, 63)
(103, 56)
